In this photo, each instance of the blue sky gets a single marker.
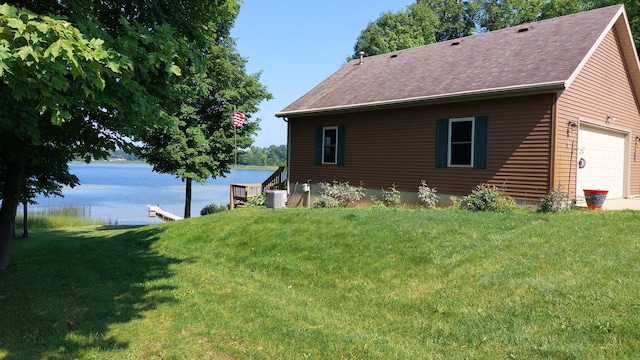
(297, 44)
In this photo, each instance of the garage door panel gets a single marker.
(601, 156)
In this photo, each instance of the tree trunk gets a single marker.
(187, 199)
(10, 198)
(25, 227)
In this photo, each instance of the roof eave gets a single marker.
(529, 89)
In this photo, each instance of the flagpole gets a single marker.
(238, 120)
(235, 150)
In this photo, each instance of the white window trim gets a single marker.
(473, 134)
(335, 153)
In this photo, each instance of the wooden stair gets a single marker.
(239, 194)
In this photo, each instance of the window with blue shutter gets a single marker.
(330, 142)
(462, 142)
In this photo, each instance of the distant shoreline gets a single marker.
(131, 162)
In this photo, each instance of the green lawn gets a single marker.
(329, 284)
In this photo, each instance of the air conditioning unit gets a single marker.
(276, 199)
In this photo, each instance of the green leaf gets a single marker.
(96, 43)
(99, 81)
(16, 24)
(175, 69)
(115, 67)
(4, 68)
(7, 10)
(76, 70)
(67, 45)
(42, 27)
(59, 82)
(25, 51)
(53, 50)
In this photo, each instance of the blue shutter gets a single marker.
(319, 135)
(341, 131)
(480, 142)
(442, 143)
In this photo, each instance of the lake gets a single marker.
(119, 193)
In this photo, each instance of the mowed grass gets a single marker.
(329, 284)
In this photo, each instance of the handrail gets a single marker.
(277, 180)
(242, 192)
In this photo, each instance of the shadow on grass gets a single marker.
(65, 289)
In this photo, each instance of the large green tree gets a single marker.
(499, 14)
(83, 77)
(455, 18)
(203, 144)
(412, 27)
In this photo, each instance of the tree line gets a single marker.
(274, 155)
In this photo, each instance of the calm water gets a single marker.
(120, 193)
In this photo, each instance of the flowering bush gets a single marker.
(391, 197)
(338, 194)
(556, 200)
(487, 198)
(427, 195)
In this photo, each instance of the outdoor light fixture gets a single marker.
(572, 125)
(610, 119)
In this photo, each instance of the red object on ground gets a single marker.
(595, 198)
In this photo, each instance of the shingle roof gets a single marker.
(540, 56)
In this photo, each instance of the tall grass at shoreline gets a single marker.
(67, 216)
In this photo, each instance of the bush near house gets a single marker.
(338, 194)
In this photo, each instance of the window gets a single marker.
(330, 145)
(462, 142)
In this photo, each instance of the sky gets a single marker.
(296, 44)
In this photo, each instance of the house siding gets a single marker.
(601, 88)
(398, 147)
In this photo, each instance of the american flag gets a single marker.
(238, 119)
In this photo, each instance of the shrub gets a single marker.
(391, 197)
(260, 200)
(487, 198)
(427, 195)
(213, 208)
(338, 194)
(454, 202)
(375, 202)
(556, 200)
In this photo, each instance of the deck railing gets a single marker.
(240, 193)
(277, 181)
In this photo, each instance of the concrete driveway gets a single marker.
(621, 204)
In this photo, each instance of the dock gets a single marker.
(156, 211)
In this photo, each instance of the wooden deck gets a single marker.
(156, 211)
(240, 193)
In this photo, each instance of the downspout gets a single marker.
(553, 163)
(288, 154)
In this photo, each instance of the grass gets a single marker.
(60, 217)
(329, 283)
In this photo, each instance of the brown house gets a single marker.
(551, 104)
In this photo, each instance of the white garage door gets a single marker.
(601, 156)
